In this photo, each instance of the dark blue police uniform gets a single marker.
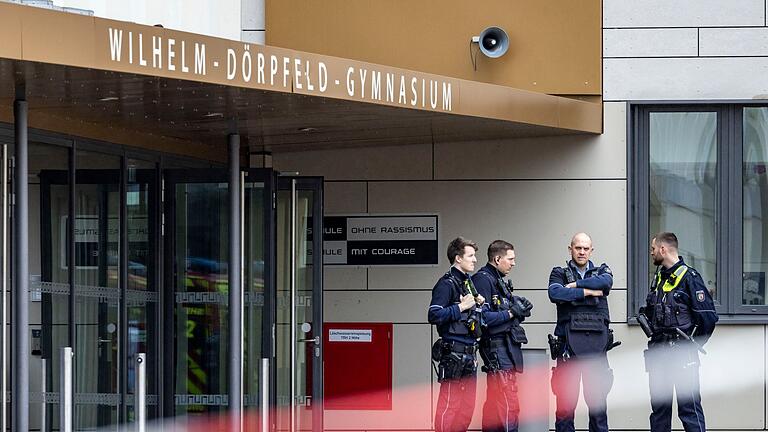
(677, 299)
(582, 323)
(457, 365)
(500, 348)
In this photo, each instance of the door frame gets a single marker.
(314, 184)
(73, 177)
(267, 177)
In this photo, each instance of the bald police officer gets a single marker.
(582, 336)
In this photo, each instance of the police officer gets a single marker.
(500, 345)
(457, 314)
(582, 336)
(679, 317)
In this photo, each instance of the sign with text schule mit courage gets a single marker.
(380, 240)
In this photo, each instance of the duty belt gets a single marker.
(497, 342)
(460, 347)
(665, 335)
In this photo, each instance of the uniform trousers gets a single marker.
(674, 366)
(502, 406)
(597, 377)
(456, 400)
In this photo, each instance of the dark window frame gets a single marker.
(729, 232)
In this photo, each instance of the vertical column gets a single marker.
(72, 261)
(20, 365)
(123, 359)
(3, 283)
(235, 288)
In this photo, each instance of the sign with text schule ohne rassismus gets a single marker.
(380, 240)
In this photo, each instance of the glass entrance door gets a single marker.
(197, 270)
(299, 299)
(115, 296)
(147, 252)
(282, 296)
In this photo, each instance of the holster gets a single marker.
(437, 350)
(450, 367)
(556, 346)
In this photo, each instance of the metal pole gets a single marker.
(242, 290)
(264, 395)
(292, 301)
(72, 261)
(20, 365)
(4, 284)
(65, 391)
(235, 289)
(140, 393)
(42, 392)
(123, 358)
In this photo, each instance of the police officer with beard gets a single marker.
(457, 313)
(679, 317)
(500, 346)
(582, 336)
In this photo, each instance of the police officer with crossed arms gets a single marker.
(582, 336)
(500, 345)
(457, 313)
(679, 317)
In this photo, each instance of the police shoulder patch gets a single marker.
(607, 269)
(700, 296)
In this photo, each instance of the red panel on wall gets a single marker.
(357, 366)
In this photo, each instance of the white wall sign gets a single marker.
(350, 335)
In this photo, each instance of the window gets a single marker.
(701, 171)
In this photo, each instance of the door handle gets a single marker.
(314, 340)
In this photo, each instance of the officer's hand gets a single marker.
(526, 303)
(479, 299)
(571, 285)
(518, 308)
(593, 293)
(467, 302)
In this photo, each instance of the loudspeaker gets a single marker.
(493, 42)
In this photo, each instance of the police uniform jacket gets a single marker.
(500, 325)
(678, 298)
(444, 309)
(577, 314)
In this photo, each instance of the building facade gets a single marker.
(681, 147)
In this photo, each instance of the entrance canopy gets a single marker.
(183, 93)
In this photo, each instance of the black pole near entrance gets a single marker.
(235, 288)
(20, 366)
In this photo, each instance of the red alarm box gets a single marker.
(357, 366)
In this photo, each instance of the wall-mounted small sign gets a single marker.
(350, 335)
(379, 240)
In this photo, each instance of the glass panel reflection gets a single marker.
(201, 286)
(755, 206)
(254, 287)
(48, 266)
(142, 297)
(97, 296)
(683, 186)
(302, 371)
